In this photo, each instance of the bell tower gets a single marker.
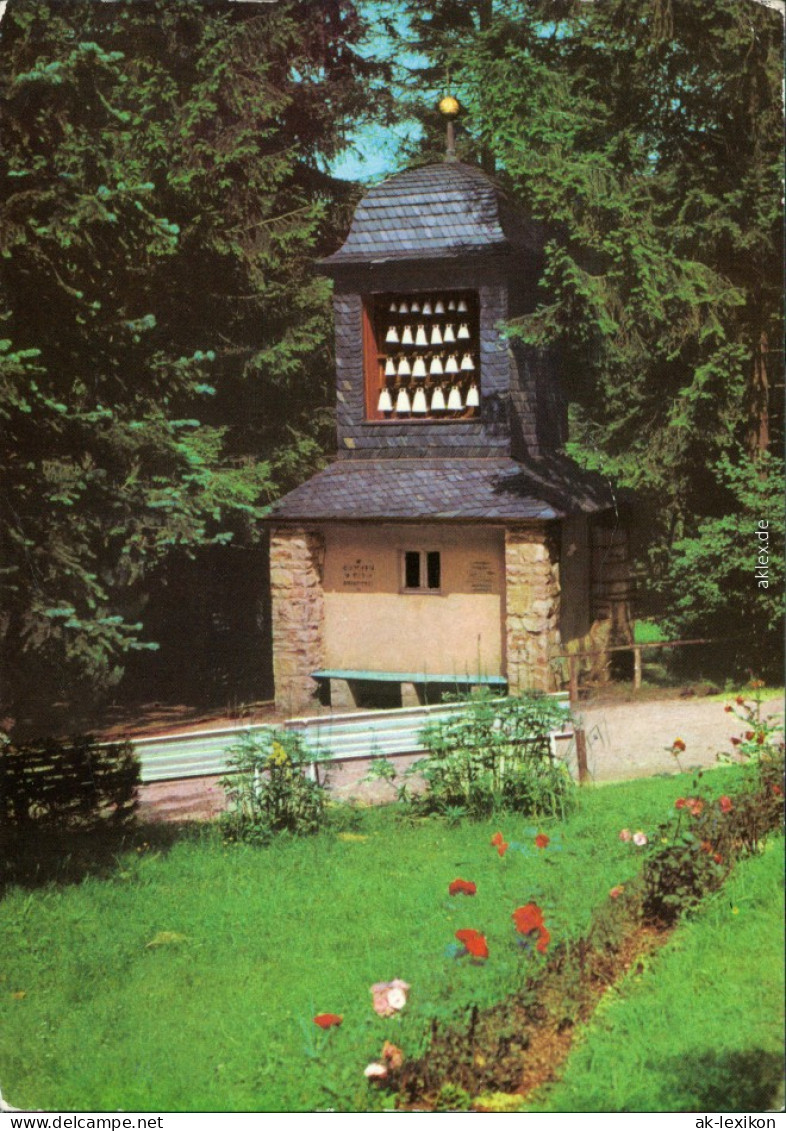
(449, 544)
(436, 259)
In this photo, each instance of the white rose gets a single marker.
(375, 1071)
(397, 999)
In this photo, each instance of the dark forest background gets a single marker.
(166, 366)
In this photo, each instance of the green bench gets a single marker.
(348, 688)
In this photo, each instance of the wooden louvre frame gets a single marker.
(421, 354)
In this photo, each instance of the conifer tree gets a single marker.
(647, 137)
(164, 339)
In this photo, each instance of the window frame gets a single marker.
(423, 572)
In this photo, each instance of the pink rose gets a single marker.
(389, 997)
(640, 839)
(626, 835)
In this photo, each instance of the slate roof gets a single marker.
(437, 211)
(496, 489)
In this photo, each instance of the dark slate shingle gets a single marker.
(444, 209)
(496, 489)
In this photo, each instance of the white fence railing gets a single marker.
(337, 738)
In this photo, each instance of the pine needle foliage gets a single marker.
(164, 337)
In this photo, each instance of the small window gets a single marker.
(412, 569)
(422, 571)
(432, 569)
(422, 356)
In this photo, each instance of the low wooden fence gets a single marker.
(573, 659)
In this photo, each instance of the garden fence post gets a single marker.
(573, 680)
(636, 669)
(581, 754)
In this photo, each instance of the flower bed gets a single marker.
(519, 1045)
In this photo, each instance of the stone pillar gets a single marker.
(298, 615)
(341, 697)
(409, 695)
(531, 609)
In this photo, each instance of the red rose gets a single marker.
(529, 921)
(462, 887)
(328, 1020)
(528, 918)
(474, 942)
(543, 940)
(725, 804)
(541, 840)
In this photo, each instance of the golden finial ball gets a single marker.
(449, 106)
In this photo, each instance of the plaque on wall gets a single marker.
(481, 576)
(357, 575)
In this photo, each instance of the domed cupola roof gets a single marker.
(440, 211)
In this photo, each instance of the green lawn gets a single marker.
(93, 1018)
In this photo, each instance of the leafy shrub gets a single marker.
(694, 851)
(494, 755)
(694, 860)
(70, 783)
(709, 587)
(269, 791)
(761, 747)
(453, 1098)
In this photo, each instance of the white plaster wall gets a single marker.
(371, 625)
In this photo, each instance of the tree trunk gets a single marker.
(759, 428)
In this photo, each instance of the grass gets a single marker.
(701, 1027)
(217, 1015)
(764, 694)
(648, 632)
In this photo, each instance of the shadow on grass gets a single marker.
(730, 1081)
(35, 857)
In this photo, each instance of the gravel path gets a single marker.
(633, 740)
